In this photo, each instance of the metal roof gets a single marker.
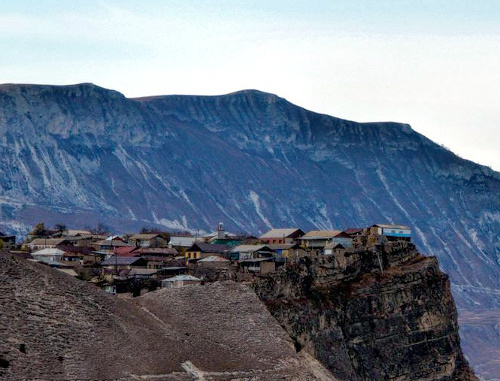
(117, 260)
(211, 248)
(112, 243)
(386, 226)
(143, 271)
(320, 234)
(47, 241)
(182, 241)
(214, 258)
(256, 260)
(248, 248)
(48, 252)
(279, 233)
(144, 236)
(183, 278)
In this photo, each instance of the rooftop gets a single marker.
(280, 233)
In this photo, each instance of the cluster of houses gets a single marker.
(175, 261)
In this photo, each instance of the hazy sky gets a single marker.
(432, 64)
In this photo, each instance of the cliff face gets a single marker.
(364, 324)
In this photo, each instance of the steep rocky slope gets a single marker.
(364, 324)
(54, 327)
(82, 154)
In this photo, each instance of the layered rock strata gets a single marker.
(379, 313)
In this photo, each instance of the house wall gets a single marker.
(404, 233)
(344, 241)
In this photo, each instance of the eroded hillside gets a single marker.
(54, 327)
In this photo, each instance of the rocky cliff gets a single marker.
(384, 313)
(82, 154)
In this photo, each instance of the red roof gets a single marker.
(126, 251)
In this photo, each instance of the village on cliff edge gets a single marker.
(148, 260)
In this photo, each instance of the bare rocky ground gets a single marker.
(54, 327)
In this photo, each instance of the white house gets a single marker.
(179, 281)
(49, 254)
(393, 231)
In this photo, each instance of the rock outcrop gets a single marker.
(384, 313)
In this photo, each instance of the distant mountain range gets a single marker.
(82, 154)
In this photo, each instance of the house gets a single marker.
(202, 250)
(47, 243)
(391, 231)
(124, 263)
(214, 262)
(343, 239)
(181, 243)
(109, 245)
(170, 271)
(288, 252)
(251, 251)
(142, 273)
(317, 239)
(74, 253)
(51, 254)
(7, 241)
(148, 240)
(157, 257)
(257, 265)
(281, 236)
(333, 248)
(126, 251)
(179, 281)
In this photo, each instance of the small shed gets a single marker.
(179, 281)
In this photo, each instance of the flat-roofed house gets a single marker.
(241, 252)
(257, 265)
(317, 239)
(281, 236)
(392, 231)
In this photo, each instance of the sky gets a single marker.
(432, 64)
